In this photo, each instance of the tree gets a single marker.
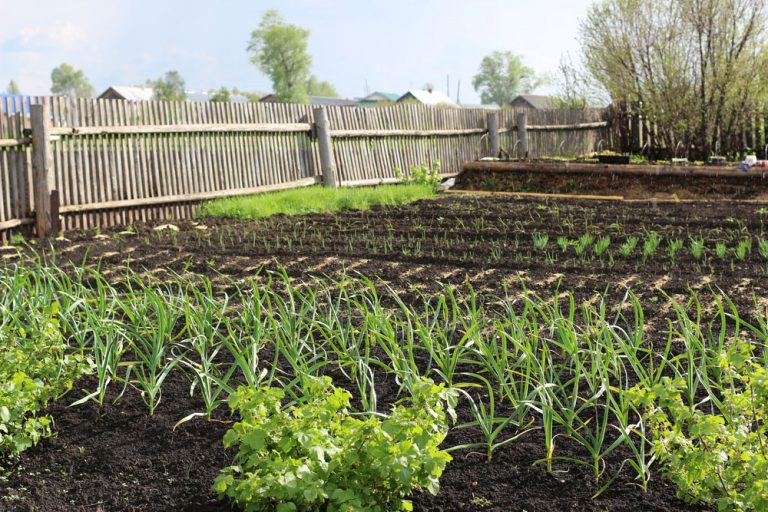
(220, 95)
(695, 66)
(502, 76)
(68, 81)
(576, 88)
(169, 87)
(280, 51)
(13, 88)
(317, 88)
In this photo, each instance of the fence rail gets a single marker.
(116, 162)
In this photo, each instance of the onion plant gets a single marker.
(490, 424)
(151, 316)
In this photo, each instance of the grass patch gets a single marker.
(315, 199)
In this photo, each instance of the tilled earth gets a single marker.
(119, 458)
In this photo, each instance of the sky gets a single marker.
(358, 46)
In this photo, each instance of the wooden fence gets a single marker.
(106, 162)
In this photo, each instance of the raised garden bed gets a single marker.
(631, 181)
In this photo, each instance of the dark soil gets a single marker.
(119, 458)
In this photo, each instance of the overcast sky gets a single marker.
(390, 45)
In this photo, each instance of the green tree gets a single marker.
(576, 88)
(695, 66)
(502, 76)
(68, 81)
(169, 87)
(316, 87)
(220, 95)
(280, 51)
(13, 88)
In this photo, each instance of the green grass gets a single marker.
(315, 200)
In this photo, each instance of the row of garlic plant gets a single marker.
(522, 364)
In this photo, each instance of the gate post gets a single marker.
(42, 168)
(493, 133)
(327, 163)
(522, 133)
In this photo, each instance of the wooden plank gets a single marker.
(12, 143)
(185, 198)
(183, 128)
(14, 223)
(628, 169)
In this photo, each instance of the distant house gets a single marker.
(123, 92)
(336, 102)
(204, 96)
(534, 101)
(427, 98)
(379, 97)
(269, 98)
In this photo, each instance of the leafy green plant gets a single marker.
(602, 245)
(583, 243)
(652, 242)
(540, 241)
(627, 248)
(673, 247)
(697, 248)
(720, 250)
(36, 366)
(563, 243)
(743, 248)
(423, 174)
(763, 248)
(315, 456)
(715, 451)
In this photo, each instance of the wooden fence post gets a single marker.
(327, 163)
(493, 133)
(522, 133)
(42, 167)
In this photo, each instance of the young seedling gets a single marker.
(540, 241)
(602, 245)
(628, 247)
(763, 248)
(720, 250)
(697, 248)
(743, 248)
(652, 242)
(673, 247)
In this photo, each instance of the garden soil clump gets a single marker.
(120, 458)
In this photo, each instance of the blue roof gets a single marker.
(10, 101)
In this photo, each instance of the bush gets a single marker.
(719, 456)
(316, 456)
(424, 174)
(35, 367)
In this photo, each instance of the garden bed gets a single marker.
(119, 458)
(632, 181)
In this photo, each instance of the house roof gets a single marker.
(381, 96)
(323, 100)
(131, 92)
(204, 96)
(428, 97)
(535, 101)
